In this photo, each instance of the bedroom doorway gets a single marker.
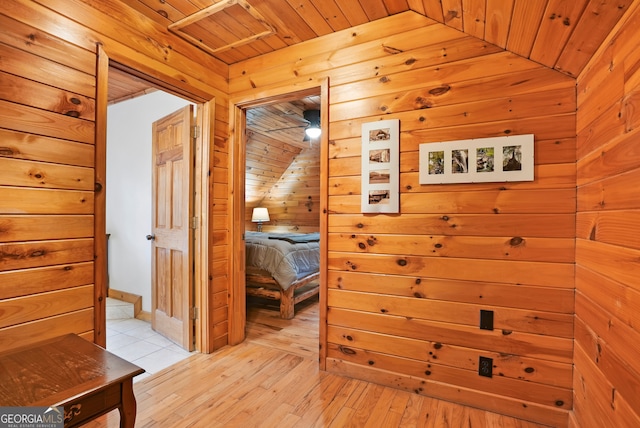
(278, 163)
(282, 194)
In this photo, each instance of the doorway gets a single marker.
(282, 181)
(239, 120)
(129, 195)
(134, 104)
(129, 220)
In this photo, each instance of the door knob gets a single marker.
(151, 237)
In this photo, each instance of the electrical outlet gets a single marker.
(485, 367)
(486, 320)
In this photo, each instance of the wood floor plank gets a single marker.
(342, 419)
(331, 410)
(411, 413)
(272, 379)
(381, 409)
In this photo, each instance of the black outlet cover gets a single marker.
(485, 367)
(486, 320)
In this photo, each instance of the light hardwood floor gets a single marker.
(272, 380)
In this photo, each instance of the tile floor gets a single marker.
(135, 341)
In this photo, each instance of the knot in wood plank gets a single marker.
(391, 50)
(8, 151)
(346, 351)
(440, 90)
(516, 240)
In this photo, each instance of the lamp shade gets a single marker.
(259, 215)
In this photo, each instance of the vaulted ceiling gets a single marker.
(561, 34)
(275, 137)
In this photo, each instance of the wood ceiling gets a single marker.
(124, 86)
(561, 34)
(275, 137)
(283, 121)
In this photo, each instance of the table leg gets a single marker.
(128, 405)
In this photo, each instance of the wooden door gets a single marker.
(172, 258)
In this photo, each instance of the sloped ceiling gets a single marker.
(561, 34)
(275, 136)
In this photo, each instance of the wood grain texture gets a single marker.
(475, 92)
(27, 146)
(52, 180)
(606, 113)
(25, 309)
(555, 299)
(443, 355)
(474, 21)
(497, 248)
(16, 200)
(596, 22)
(524, 26)
(272, 380)
(38, 280)
(607, 297)
(24, 91)
(498, 21)
(505, 319)
(45, 175)
(40, 69)
(79, 322)
(34, 228)
(540, 225)
(440, 372)
(594, 395)
(44, 253)
(29, 119)
(610, 352)
(293, 200)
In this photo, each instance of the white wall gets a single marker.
(129, 189)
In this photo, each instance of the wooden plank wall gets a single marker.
(47, 153)
(607, 338)
(405, 291)
(286, 180)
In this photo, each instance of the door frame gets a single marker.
(238, 134)
(205, 120)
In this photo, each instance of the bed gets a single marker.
(283, 267)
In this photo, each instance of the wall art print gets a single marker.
(480, 160)
(380, 166)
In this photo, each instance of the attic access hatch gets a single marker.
(223, 26)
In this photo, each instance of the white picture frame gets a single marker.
(380, 166)
(481, 160)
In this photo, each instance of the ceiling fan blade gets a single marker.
(284, 129)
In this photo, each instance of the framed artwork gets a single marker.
(380, 166)
(479, 160)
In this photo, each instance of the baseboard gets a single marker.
(144, 316)
(129, 298)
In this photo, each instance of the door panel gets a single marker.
(172, 258)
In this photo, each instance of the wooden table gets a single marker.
(72, 372)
